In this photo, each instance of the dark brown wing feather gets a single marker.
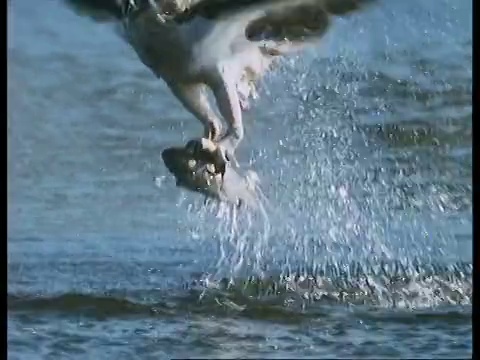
(300, 20)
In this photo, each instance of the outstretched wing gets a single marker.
(99, 10)
(249, 34)
(277, 20)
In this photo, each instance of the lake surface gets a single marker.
(363, 147)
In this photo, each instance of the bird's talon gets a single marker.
(207, 151)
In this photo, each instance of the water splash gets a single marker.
(396, 284)
(240, 234)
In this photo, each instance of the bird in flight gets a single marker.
(221, 45)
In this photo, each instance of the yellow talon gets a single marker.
(211, 168)
(208, 144)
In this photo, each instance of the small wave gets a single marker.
(386, 284)
(86, 304)
(300, 295)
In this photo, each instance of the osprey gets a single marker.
(221, 45)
